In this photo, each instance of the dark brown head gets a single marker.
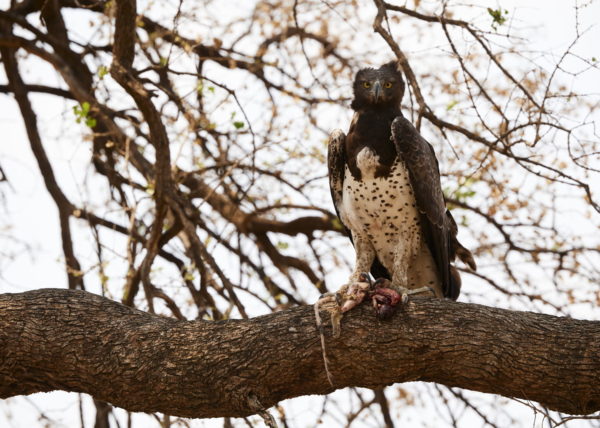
(377, 88)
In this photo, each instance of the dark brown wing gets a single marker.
(336, 164)
(456, 248)
(423, 170)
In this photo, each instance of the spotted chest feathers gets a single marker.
(383, 212)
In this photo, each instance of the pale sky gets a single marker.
(33, 218)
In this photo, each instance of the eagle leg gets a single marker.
(385, 297)
(365, 255)
(346, 298)
(359, 285)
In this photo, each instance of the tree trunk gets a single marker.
(76, 341)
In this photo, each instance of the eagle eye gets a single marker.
(366, 85)
(388, 84)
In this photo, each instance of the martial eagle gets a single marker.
(385, 184)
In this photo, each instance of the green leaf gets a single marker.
(337, 224)
(465, 191)
(82, 114)
(498, 17)
(103, 279)
(451, 104)
(77, 113)
(102, 71)
(150, 189)
(239, 125)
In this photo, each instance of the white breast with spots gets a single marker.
(383, 210)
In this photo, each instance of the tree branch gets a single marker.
(64, 206)
(76, 341)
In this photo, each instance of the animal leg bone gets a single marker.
(336, 304)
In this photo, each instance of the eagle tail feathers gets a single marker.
(456, 248)
(453, 289)
(466, 257)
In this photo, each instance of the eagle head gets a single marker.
(375, 88)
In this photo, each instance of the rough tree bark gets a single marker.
(76, 341)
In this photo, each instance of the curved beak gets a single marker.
(377, 90)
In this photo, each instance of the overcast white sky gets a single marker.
(26, 198)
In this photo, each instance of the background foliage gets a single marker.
(190, 177)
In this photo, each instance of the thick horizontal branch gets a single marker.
(76, 341)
